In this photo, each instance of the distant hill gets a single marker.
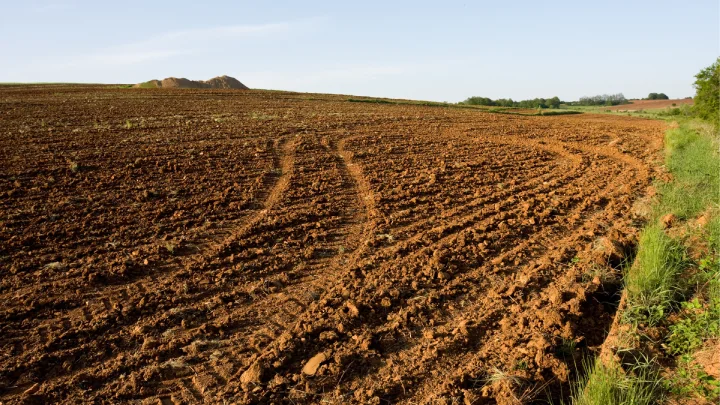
(220, 82)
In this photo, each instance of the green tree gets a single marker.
(657, 96)
(554, 102)
(707, 93)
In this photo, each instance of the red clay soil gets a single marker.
(651, 104)
(270, 247)
(220, 82)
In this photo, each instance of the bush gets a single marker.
(707, 95)
(657, 96)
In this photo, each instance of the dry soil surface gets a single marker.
(170, 247)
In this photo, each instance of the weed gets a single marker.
(171, 248)
(698, 323)
(700, 318)
(128, 124)
(566, 349)
(521, 365)
(690, 380)
(604, 274)
(74, 166)
(499, 375)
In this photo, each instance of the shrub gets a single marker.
(707, 95)
(657, 96)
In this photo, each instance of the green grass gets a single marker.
(692, 158)
(652, 282)
(147, 85)
(713, 233)
(610, 385)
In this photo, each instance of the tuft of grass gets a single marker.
(604, 274)
(652, 283)
(497, 375)
(566, 349)
(74, 166)
(171, 248)
(611, 385)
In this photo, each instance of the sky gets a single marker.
(426, 50)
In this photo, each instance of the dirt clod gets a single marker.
(668, 220)
(314, 363)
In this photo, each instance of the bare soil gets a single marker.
(271, 247)
(651, 104)
(220, 82)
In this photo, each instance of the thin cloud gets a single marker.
(175, 43)
(130, 58)
(316, 77)
(51, 7)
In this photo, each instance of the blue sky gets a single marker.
(431, 50)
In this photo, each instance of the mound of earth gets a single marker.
(220, 82)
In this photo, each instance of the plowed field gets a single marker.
(650, 105)
(191, 246)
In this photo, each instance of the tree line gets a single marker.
(553, 102)
(706, 100)
(602, 99)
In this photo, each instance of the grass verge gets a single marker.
(671, 316)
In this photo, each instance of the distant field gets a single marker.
(650, 104)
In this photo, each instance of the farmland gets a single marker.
(175, 246)
(650, 105)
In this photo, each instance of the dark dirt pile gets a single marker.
(220, 82)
